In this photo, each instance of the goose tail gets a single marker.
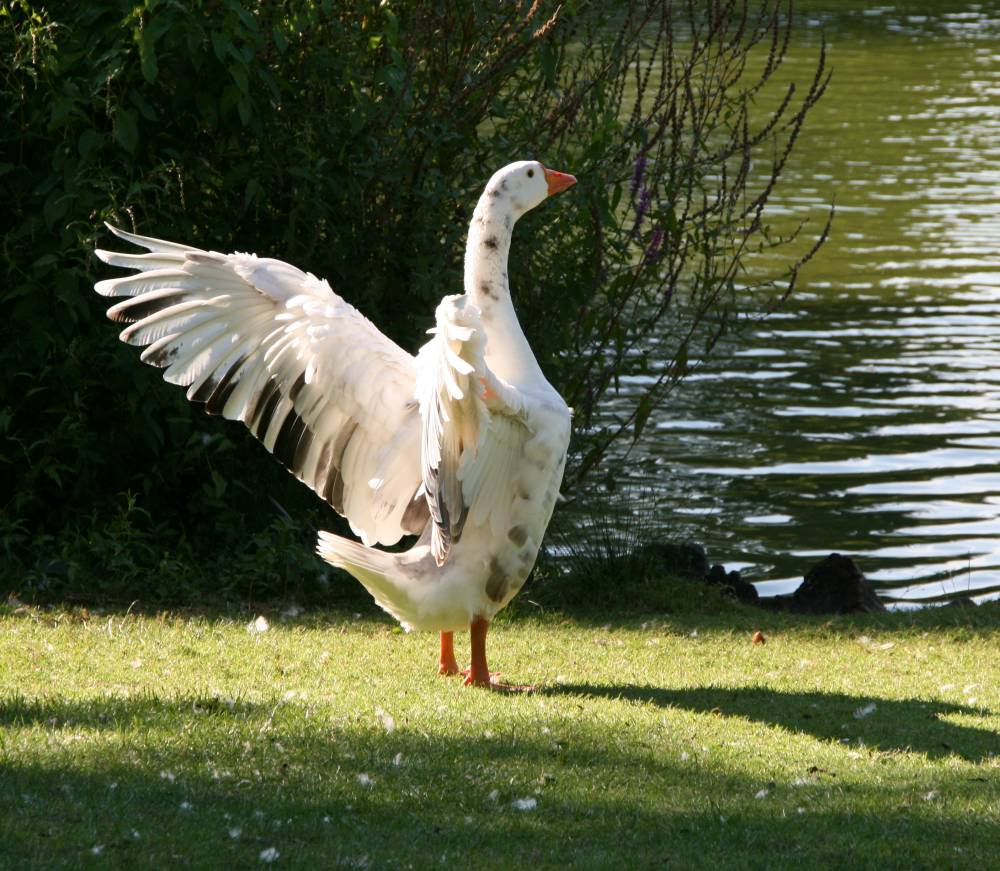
(377, 570)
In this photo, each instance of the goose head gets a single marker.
(509, 193)
(520, 186)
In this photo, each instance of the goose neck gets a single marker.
(486, 256)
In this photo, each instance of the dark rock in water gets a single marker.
(687, 559)
(733, 580)
(835, 585)
(745, 592)
(716, 575)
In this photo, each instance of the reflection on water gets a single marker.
(865, 416)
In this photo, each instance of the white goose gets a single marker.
(463, 445)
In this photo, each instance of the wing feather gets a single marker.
(259, 341)
(470, 445)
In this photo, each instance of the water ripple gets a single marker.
(865, 417)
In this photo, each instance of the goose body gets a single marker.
(463, 445)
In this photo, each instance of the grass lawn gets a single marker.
(654, 740)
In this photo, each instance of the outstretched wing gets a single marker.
(260, 341)
(474, 428)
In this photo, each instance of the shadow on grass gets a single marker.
(210, 791)
(894, 724)
(118, 712)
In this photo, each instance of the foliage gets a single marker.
(609, 554)
(350, 138)
(598, 561)
(686, 213)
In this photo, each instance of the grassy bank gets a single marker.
(653, 741)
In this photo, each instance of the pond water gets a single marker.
(864, 417)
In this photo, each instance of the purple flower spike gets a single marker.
(654, 246)
(642, 206)
(638, 174)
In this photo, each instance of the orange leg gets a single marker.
(447, 662)
(478, 674)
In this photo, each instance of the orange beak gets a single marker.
(558, 181)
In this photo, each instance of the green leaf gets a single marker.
(251, 193)
(358, 118)
(61, 109)
(592, 458)
(547, 63)
(220, 45)
(55, 208)
(670, 219)
(239, 74)
(137, 100)
(642, 415)
(147, 55)
(280, 41)
(126, 129)
(220, 484)
(681, 361)
(90, 140)
(391, 28)
(243, 106)
(616, 198)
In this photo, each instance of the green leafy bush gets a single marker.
(350, 138)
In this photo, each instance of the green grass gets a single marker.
(183, 740)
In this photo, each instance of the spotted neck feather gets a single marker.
(486, 284)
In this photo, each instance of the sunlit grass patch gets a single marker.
(327, 741)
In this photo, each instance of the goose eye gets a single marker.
(531, 173)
